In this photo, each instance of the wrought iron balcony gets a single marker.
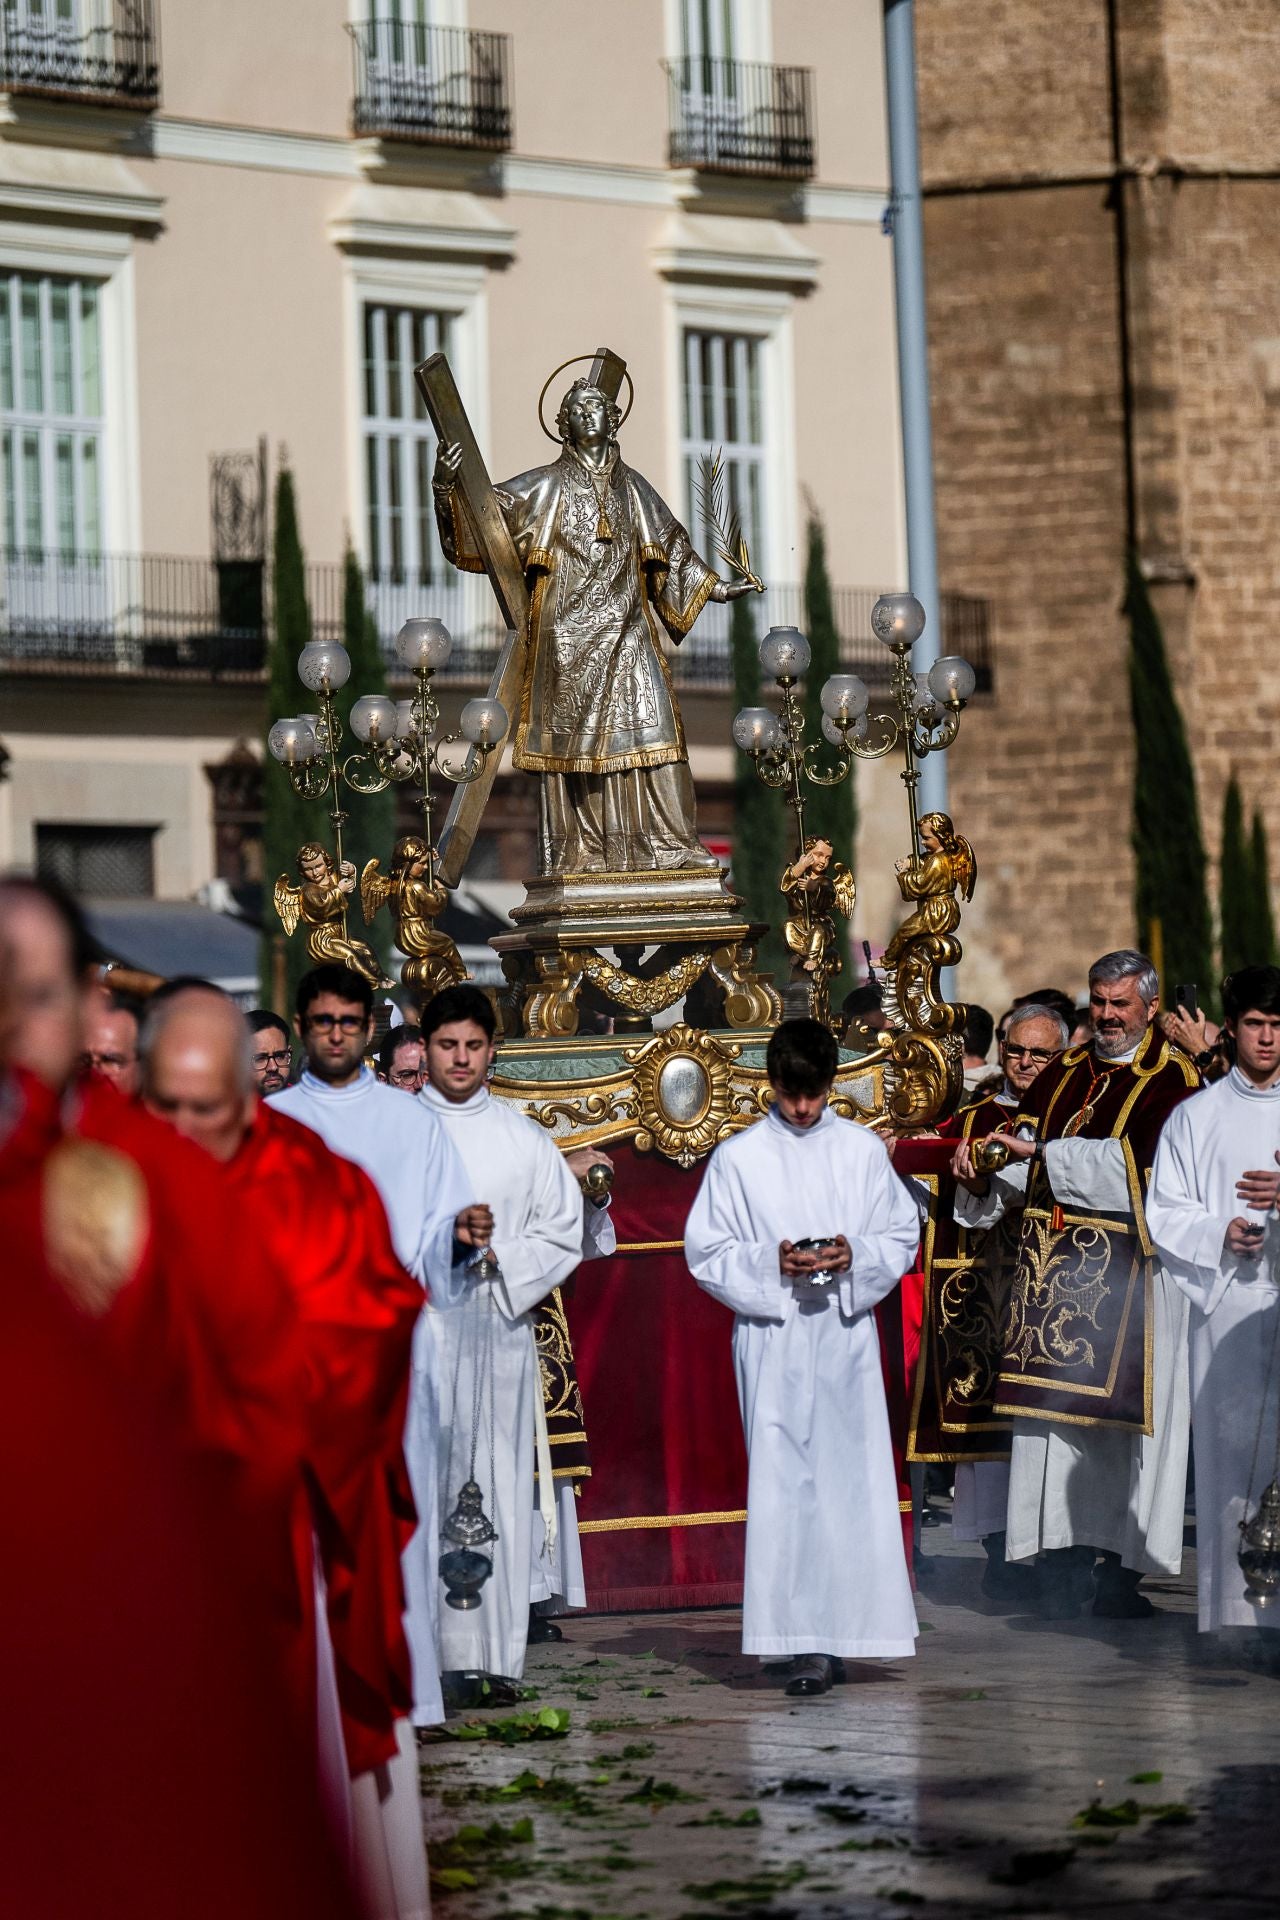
(115, 63)
(161, 617)
(449, 86)
(741, 116)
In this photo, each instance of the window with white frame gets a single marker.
(51, 414)
(724, 413)
(399, 442)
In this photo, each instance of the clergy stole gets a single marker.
(968, 1278)
(561, 1398)
(1078, 1345)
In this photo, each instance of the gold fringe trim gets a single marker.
(655, 1520)
(591, 763)
(648, 1246)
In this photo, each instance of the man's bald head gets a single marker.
(197, 1068)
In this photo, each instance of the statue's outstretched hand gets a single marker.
(731, 589)
(448, 461)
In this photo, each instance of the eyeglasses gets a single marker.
(344, 1022)
(406, 1077)
(108, 1062)
(1042, 1054)
(282, 1059)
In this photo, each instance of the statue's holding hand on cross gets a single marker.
(604, 560)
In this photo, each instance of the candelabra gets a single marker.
(816, 884)
(927, 719)
(399, 742)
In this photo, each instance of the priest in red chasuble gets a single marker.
(1094, 1374)
(968, 1280)
(321, 1227)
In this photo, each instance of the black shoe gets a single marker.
(811, 1673)
(1065, 1576)
(1006, 1579)
(461, 1690)
(542, 1629)
(1116, 1595)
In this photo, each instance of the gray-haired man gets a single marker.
(1095, 1369)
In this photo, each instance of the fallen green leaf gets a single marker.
(751, 1891)
(1145, 1779)
(660, 1793)
(652, 1693)
(1126, 1813)
(977, 1693)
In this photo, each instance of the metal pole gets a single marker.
(913, 353)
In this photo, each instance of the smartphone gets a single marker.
(1185, 997)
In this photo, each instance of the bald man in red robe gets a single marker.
(320, 1224)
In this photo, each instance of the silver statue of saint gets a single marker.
(606, 560)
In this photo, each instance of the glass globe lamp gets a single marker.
(373, 719)
(291, 741)
(324, 666)
(839, 736)
(424, 645)
(756, 729)
(897, 619)
(845, 697)
(785, 653)
(482, 722)
(952, 680)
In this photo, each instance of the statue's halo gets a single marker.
(573, 361)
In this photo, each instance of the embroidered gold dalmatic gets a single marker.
(1078, 1346)
(968, 1274)
(561, 1398)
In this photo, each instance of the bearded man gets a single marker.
(607, 562)
(1094, 1376)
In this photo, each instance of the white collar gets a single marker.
(454, 1109)
(1246, 1089)
(311, 1083)
(801, 1133)
(1119, 1059)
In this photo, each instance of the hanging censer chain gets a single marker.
(1260, 1536)
(464, 1568)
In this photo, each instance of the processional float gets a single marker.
(628, 916)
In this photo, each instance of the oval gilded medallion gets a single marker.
(684, 1091)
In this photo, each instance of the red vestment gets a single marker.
(322, 1226)
(207, 1328)
(147, 1767)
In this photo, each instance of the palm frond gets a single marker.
(709, 497)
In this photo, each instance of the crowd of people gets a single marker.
(313, 1289)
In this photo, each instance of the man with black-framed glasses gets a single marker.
(272, 1052)
(435, 1225)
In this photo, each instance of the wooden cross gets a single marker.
(506, 576)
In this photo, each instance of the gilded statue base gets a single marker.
(592, 947)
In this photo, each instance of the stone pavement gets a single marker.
(689, 1785)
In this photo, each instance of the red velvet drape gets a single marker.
(662, 1514)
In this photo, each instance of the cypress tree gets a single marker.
(1235, 883)
(760, 819)
(1262, 926)
(1169, 856)
(371, 823)
(288, 821)
(829, 812)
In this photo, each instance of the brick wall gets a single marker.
(1026, 361)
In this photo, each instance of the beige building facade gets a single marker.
(233, 227)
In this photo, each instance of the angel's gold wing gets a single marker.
(970, 880)
(288, 904)
(845, 888)
(375, 889)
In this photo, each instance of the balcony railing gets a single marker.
(447, 85)
(115, 63)
(160, 617)
(741, 116)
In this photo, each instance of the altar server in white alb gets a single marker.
(826, 1577)
(1211, 1214)
(435, 1224)
(487, 1349)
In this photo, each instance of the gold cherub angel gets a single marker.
(816, 887)
(321, 901)
(416, 896)
(945, 867)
